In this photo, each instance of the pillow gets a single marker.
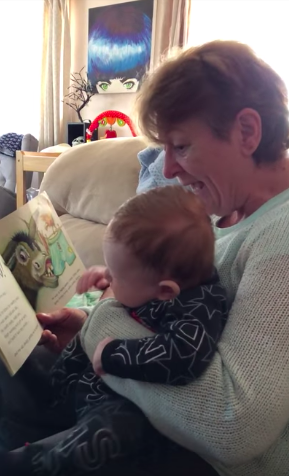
(92, 180)
(57, 148)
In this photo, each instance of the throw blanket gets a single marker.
(151, 174)
(86, 300)
(10, 143)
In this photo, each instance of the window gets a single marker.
(20, 56)
(262, 24)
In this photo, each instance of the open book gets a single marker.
(39, 269)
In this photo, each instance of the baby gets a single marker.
(159, 253)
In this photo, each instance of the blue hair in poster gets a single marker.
(119, 46)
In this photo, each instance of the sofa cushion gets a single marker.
(86, 236)
(29, 143)
(91, 181)
(7, 202)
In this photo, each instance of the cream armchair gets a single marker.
(87, 184)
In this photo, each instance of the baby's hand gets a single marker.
(92, 278)
(96, 361)
(108, 293)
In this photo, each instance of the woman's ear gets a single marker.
(168, 290)
(250, 126)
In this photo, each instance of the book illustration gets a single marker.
(60, 250)
(27, 256)
(39, 254)
(39, 270)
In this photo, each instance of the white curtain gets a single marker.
(21, 42)
(56, 60)
(171, 27)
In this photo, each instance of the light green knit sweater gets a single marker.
(236, 415)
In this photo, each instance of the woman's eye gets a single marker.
(181, 149)
(104, 86)
(128, 85)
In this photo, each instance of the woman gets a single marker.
(221, 114)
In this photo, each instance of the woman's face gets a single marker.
(213, 167)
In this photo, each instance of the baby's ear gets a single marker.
(168, 290)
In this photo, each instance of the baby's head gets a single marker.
(158, 243)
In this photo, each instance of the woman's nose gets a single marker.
(171, 167)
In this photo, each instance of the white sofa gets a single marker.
(87, 184)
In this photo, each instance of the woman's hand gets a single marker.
(60, 327)
(92, 278)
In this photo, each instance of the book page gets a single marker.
(20, 331)
(40, 255)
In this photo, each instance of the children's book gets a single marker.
(39, 270)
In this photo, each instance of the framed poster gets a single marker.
(119, 46)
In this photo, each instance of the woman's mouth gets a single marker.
(197, 187)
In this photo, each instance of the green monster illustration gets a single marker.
(29, 260)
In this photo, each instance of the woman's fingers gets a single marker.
(44, 319)
(52, 318)
(50, 341)
(47, 336)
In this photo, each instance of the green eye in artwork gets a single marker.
(129, 84)
(104, 86)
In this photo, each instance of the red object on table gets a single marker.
(110, 117)
(110, 134)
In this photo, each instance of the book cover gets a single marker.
(39, 270)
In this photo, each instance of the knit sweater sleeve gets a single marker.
(240, 406)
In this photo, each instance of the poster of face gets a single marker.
(119, 46)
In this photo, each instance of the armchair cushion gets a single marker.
(91, 181)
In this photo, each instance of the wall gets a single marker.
(79, 35)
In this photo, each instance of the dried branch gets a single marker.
(80, 92)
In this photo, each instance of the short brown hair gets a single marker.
(167, 229)
(214, 82)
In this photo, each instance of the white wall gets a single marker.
(79, 37)
(237, 20)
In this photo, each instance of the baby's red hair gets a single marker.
(169, 232)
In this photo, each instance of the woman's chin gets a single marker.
(210, 207)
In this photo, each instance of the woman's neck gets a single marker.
(264, 184)
(230, 220)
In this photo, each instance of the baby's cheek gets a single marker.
(116, 290)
